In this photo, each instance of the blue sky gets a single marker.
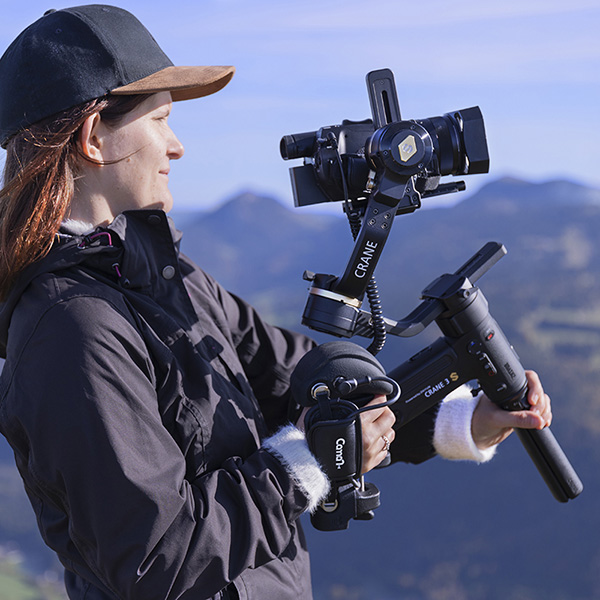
(533, 66)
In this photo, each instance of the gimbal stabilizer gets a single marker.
(404, 160)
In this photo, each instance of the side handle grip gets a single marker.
(551, 462)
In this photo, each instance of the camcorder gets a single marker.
(380, 168)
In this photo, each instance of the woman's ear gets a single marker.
(89, 139)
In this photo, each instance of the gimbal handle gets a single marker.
(437, 370)
(474, 347)
(552, 463)
(336, 380)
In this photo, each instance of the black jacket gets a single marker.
(136, 395)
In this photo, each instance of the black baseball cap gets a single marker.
(74, 55)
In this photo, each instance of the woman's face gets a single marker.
(142, 144)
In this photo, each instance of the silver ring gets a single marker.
(386, 443)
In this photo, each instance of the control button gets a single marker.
(515, 405)
(474, 347)
(487, 364)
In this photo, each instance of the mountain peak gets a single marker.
(251, 204)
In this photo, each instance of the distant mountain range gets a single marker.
(444, 530)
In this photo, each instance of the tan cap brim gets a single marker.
(184, 83)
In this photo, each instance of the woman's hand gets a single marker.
(492, 425)
(376, 429)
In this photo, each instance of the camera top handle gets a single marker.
(383, 98)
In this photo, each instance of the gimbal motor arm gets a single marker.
(404, 159)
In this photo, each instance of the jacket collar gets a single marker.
(138, 251)
(150, 249)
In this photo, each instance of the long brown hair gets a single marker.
(39, 175)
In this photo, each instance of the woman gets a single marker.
(147, 407)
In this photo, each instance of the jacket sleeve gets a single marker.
(444, 430)
(105, 469)
(267, 353)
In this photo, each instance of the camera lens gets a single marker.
(459, 141)
(298, 145)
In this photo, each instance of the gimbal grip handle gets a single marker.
(551, 462)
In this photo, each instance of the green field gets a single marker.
(15, 585)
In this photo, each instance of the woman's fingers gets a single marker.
(377, 433)
(491, 425)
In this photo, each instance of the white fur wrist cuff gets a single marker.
(290, 446)
(452, 438)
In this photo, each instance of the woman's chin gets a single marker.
(165, 204)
